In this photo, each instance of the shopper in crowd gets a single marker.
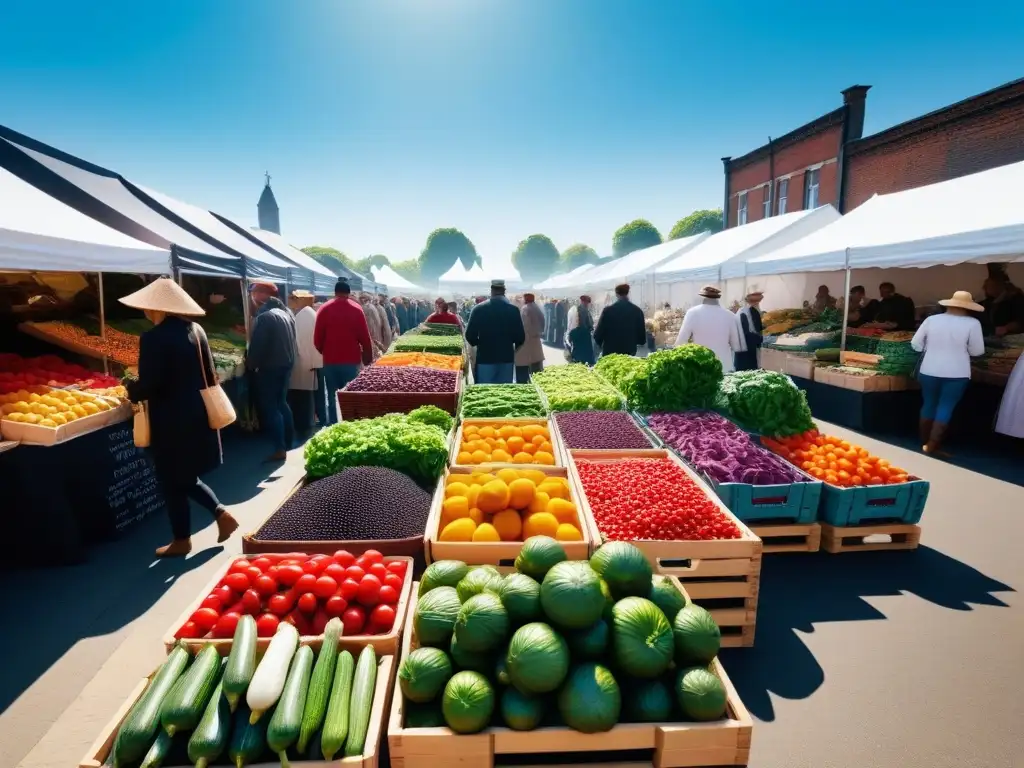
(496, 330)
(561, 320)
(861, 309)
(383, 327)
(895, 312)
(271, 358)
(620, 329)
(443, 314)
(1010, 419)
(1003, 307)
(453, 307)
(342, 336)
(305, 394)
(579, 339)
(389, 313)
(948, 342)
(175, 365)
(402, 313)
(650, 346)
(823, 300)
(530, 357)
(713, 326)
(750, 333)
(372, 324)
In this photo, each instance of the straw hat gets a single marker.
(301, 294)
(963, 300)
(164, 295)
(710, 292)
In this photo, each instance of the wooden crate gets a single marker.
(556, 446)
(836, 539)
(368, 405)
(498, 552)
(665, 745)
(790, 537)
(382, 644)
(98, 753)
(635, 418)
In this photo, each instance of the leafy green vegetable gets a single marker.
(576, 388)
(418, 342)
(767, 402)
(439, 329)
(494, 400)
(431, 414)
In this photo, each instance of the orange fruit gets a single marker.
(521, 493)
(567, 532)
(535, 476)
(501, 455)
(476, 515)
(508, 524)
(539, 502)
(562, 510)
(507, 475)
(545, 446)
(493, 497)
(530, 448)
(479, 457)
(487, 431)
(464, 457)
(459, 530)
(515, 445)
(540, 524)
(471, 494)
(456, 489)
(482, 478)
(522, 458)
(455, 507)
(543, 457)
(486, 532)
(555, 487)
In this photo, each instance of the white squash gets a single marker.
(268, 680)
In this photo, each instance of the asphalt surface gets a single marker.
(862, 660)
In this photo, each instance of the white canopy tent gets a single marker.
(395, 282)
(566, 279)
(323, 277)
(458, 279)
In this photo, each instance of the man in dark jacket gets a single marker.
(401, 311)
(496, 330)
(271, 357)
(620, 330)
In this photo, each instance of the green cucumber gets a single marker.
(158, 752)
(362, 699)
(320, 684)
(284, 725)
(137, 732)
(210, 737)
(248, 740)
(185, 704)
(335, 730)
(241, 661)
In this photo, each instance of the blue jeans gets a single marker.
(495, 373)
(276, 415)
(940, 396)
(320, 398)
(337, 377)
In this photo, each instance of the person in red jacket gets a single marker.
(442, 314)
(343, 338)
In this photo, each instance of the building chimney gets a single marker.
(725, 201)
(854, 99)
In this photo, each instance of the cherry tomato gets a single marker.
(388, 594)
(373, 556)
(265, 585)
(312, 566)
(364, 562)
(306, 582)
(262, 563)
(189, 630)
(353, 620)
(349, 589)
(288, 575)
(336, 605)
(211, 601)
(379, 570)
(394, 581)
(205, 618)
(344, 558)
(226, 625)
(239, 566)
(335, 571)
(396, 567)
(238, 581)
(225, 594)
(266, 625)
(382, 619)
(307, 602)
(319, 623)
(369, 590)
(252, 602)
(253, 574)
(355, 573)
(325, 587)
(279, 604)
(301, 622)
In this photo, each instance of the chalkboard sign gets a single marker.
(133, 492)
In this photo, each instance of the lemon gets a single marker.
(459, 530)
(486, 532)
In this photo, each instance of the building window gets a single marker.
(767, 204)
(811, 189)
(783, 195)
(741, 211)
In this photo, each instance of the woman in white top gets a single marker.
(948, 342)
(1010, 420)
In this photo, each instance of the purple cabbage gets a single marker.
(721, 450)
(599, 430)
(386, 378)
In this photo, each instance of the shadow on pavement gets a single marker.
(997, 456)
(800, 591)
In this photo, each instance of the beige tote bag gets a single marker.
(220, 412)
(140, 424)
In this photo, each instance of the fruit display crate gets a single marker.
(99, 753)
(874, 504)
(865, 538)
(382, 644)
(456, 444)
(723, 742)
(637, 420)
(367, 405)
(499, 552)
(34, 434)
(721, 575)
(789, 537)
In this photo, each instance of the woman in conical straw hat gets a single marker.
(175, 365)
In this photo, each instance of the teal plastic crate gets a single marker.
(795, 503)
(903, 503)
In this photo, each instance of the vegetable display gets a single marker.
(575, 387)
(497, 400)
(120, 347)
(600, 430)
(836, 461)
(439, 329)
(422, 360)
(687, 376)
(403, 379)
(517, 443)
(634, 499)
(395, 441)
(418, 342)
(509, 505)
(767, 402)
(720, 449)
(19, 373)
(617, 369)
(584, 659)
(898, 357)
(52, 408)
(303, 592)
(434, 416)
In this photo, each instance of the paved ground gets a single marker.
(874, 660)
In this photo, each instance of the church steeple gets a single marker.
(268, 213)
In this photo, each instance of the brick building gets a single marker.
(829, 161)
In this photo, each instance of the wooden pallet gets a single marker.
(789, 537)
(729, 590)
(858, 538)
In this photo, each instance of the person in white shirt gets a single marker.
(304, 389)
(1010, 419)
(713, 326)
(948, 342)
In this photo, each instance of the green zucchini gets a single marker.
(362, 700)
(320, 684)
(137, 732)
(284, 725)
(210, 737)
(158, 752)
(248, 740)
(241, 661)
(336, 723)
(183, 708)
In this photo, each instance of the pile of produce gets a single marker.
(575, 387)
(36, 374)
(859, 343)
(497, 400)
(869, 333)
(600, 430)
(287, 706)
(805, 342)
(720, 449)
(422, 360)
(120, 347)
(303, 591)
(53, 408)
(576, 644)
(508, 505)
(667, 324)
(496, 442)
(419, 342)
(617, 369)
(898, 357)
(412, 443)
(439, 329)
(357, 504)
(767, 402)
(634, 499)
(836, 461)
(688, 376)
(403, 379)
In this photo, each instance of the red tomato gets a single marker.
(239, 566)
(335, 571)
(307, 602)
(288, 575)
(394, 581)
(336, 605)
(353, 620)
(252, 602)
(301, 622)
(378, 570)
(266, 625)
(388, 594)
(211, 601)
(205, 618)
(325, 587)
(238, 582)
(262, 563)
(253, 574)
(373, 556)
(265, 585)
(306, 582)
(310, 566)
(396, 567)
(349, 589)
(279, 604)
(369, 590)
(364, 562)
(382, 619)
(344, 558)
(189, 630)
(226, 625)
(225, 594)
(319, 623)
(355, 573)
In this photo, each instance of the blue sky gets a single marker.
(380, 120)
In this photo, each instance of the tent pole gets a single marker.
(246, 319)
(103, 323)
(846, 307)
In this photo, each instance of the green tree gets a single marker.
(637, 234)
(708, 220)
(444, 247)
(409, 269)
(577, 255)
(363, 265)
(328, 257)
(535, 258)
